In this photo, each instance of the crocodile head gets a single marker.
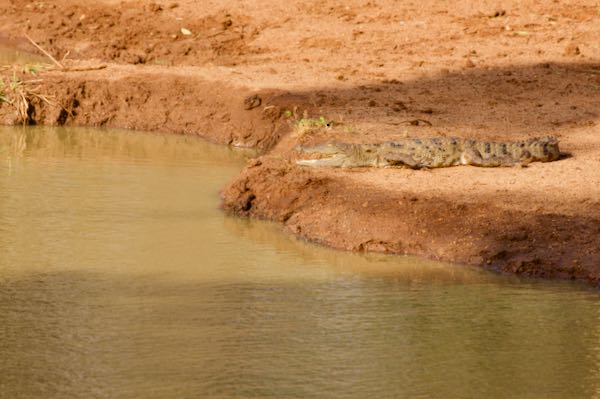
(340, 155)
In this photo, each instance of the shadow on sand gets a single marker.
(499, 102)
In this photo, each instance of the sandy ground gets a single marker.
(242, 73)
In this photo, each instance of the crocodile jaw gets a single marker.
(326, 149)
(337, 161)
(333, 155)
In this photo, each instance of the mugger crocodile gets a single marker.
(432, 153)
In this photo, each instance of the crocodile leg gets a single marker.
(526, 159)
(395, 159)
(473, 157)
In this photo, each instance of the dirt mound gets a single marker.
(134, 33)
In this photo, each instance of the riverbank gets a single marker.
(246, 74)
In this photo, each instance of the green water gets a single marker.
(121, 278)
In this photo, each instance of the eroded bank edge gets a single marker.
(107, 97)
(335, 213)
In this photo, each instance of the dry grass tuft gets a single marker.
(18, 92)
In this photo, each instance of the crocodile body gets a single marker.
(432, 153)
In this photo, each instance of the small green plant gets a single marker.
(26, 69)
(33, 69)
(311, 122)
(307, 125)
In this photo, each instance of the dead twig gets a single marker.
(58, 64)
(84, 68)
(416, 122)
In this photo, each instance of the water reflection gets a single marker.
(9, 56)
(408, 269)
(119, 277)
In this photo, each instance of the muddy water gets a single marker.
(120, 278)
(10, 56)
